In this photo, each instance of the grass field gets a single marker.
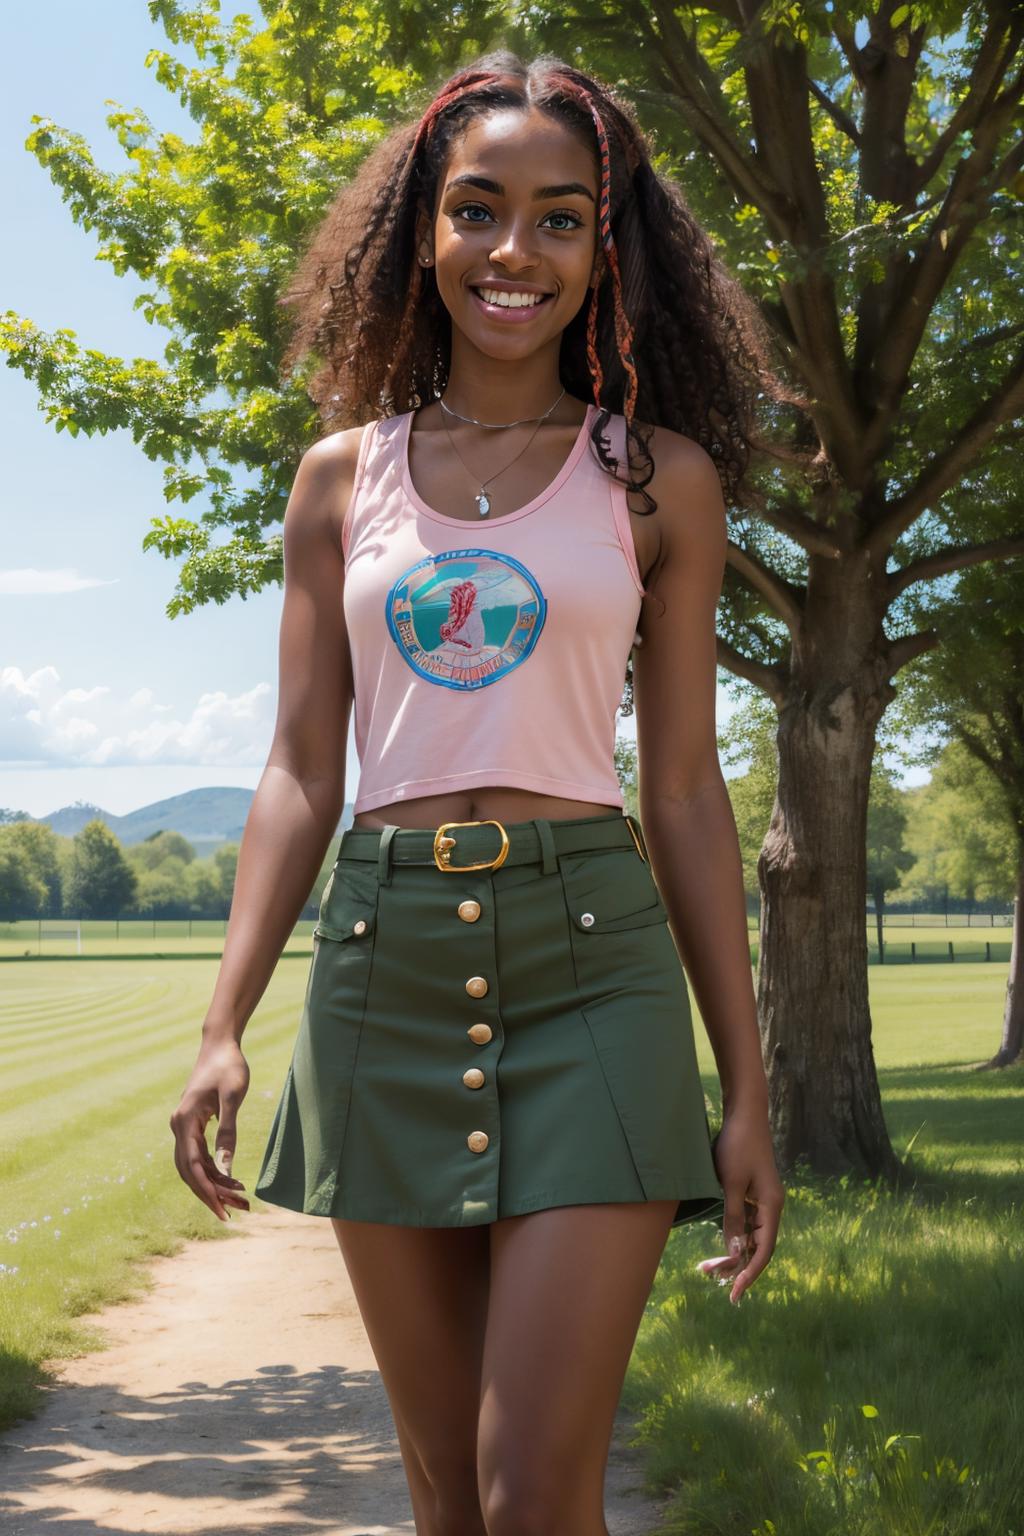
(911, 1304)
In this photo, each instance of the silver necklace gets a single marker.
(482, 499)
(446, 407)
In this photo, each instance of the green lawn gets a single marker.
(869, 1382)
(910, 1304)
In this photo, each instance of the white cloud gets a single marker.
(45, 723)
(30, 582)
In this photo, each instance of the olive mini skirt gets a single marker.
(479, 1042)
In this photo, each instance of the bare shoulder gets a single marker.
(688, 490)
(323, 483)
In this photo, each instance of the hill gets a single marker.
(206, 817)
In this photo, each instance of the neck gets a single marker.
(495, 389)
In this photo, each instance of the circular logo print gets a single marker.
(466, 617)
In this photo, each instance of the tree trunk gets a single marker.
(812, 976)
(880, 922)
(1013, 1015)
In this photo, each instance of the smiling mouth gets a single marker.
(510, 305)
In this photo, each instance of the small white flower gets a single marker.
(121, 1179)
(33, 1223)
(56, 1231)
(46, 1218)
(12, 1236)
(66, 1209)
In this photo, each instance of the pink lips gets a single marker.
(510, 316)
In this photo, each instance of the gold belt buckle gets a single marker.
(443, 846)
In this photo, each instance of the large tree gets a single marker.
(861, 168)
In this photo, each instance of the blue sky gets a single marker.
(102, 697)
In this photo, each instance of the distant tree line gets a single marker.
(93, 875)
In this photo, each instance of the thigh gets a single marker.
(422, 1294)
(567, 1292)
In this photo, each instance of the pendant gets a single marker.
(483, 501)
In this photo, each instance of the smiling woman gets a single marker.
(493, 1093)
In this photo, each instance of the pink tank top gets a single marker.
(489, 652)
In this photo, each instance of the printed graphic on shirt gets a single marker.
(466, 617)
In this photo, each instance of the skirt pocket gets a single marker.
(303, 1154)
(634, 999)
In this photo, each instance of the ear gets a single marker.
(424, 241)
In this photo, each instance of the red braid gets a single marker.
(459, 85)
(623, 328)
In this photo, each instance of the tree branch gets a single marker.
(771, 680)
(780, 595)
(966, 204)
(996, 49)
(842, 119)
(908, 646)
(810, 536)
(946, 467)
(953, 557)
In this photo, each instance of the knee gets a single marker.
(525, 1505)
(456, 1506)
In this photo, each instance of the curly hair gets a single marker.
(669, 336)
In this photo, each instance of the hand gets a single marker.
(217, 1086)
(744, 1160)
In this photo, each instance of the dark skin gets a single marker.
(503, 1347)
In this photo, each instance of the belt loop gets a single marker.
(547, 844)
(384, 854)
(637, 831)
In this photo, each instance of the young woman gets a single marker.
(494, 1093)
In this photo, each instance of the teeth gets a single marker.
(510, 300)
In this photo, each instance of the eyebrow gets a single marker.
(565, 189)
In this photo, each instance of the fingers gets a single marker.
(214, 1187)
(761, 1248)
(748, 1255)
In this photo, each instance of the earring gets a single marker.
(425, 261)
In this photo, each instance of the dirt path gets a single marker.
(240, 1397)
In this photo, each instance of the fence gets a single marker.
(58, 938)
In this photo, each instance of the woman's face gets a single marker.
(514, 235)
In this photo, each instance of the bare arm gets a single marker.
(293, 814)
(302, 789)
(690, 828)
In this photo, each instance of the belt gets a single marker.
(467, 845)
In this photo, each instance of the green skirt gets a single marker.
(478, 1043)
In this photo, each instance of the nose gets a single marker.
(516, 247)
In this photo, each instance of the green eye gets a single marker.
(567, 213)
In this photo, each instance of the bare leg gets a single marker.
(567, 1294)
(422, 1293)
